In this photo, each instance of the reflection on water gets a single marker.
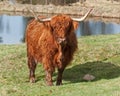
(12, 29)
(97, 27)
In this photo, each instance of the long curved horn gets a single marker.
(37, 18)
(84, 17)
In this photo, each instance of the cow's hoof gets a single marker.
(58, 84)
(32, 80)
(49, 83)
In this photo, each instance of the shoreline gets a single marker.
(76, 10)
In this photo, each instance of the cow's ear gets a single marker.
(75, 25)
(47, 24)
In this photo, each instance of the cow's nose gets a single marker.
(61, 40)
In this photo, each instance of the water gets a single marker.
(12, 28)
(97, 28)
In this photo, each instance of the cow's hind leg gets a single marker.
(32, 67)
(59, 78)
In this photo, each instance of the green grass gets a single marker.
(96, 55)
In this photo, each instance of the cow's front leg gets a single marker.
(48, 78)
(49, 69)
(32, 67)
(59, 78)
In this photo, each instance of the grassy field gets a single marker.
(96, 55)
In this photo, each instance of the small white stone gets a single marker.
(88, 77)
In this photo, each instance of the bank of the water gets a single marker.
(101, 9)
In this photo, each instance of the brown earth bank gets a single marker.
(102, 10)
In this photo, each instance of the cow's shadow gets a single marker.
(100, 70)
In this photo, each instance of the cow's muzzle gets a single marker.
(62, 41)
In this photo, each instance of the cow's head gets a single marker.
(62, 25)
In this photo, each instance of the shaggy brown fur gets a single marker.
(52, 43)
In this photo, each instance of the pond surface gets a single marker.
(97, 28)
(12, 28)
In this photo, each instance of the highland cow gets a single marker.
(51, 41)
